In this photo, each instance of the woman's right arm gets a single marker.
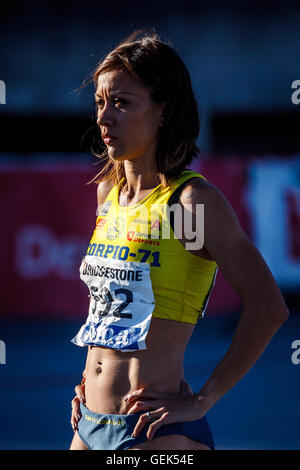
(102, 192)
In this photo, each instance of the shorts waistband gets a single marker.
(99, 416)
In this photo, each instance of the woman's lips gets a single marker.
(108, 139)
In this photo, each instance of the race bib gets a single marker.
(121, 304)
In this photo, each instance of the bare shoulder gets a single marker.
(221, 224)
(198, 190)
(103, 190)
(217, 208)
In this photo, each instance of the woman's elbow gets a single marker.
(268, 309)
(277, 312)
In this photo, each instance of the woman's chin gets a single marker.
(117, 156)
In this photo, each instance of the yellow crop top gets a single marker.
(181, 281)
(136, 269)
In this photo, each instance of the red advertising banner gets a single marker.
(48, 216)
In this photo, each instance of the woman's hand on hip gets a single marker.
(163, 408)
(75, 403)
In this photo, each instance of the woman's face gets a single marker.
(128, 116)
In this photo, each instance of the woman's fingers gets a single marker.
(76, 413)
(142, 405)
(158, 416)
(143, 393)
(153, 427)
(80, 397)
(80, 393)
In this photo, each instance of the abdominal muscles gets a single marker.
(112, 374)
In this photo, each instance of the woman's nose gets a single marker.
(104, 117)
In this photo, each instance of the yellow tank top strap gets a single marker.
(161, 197)
(185, 175)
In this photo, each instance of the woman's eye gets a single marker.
(119, 101)
(98, 103)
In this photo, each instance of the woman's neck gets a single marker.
(140, 178)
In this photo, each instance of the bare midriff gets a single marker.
(112, 374)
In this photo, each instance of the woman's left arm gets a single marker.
(264, 309)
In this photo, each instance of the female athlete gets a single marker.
(148, 288)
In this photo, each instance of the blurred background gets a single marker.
(243, 58)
